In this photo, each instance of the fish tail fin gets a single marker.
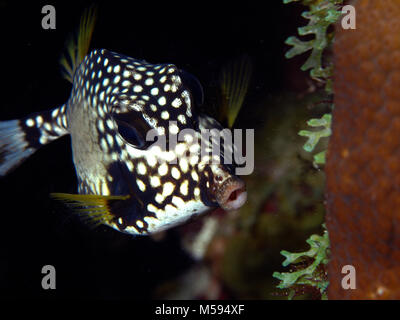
(78, 45)
(21, 138)
(13, 147)
(234, 79)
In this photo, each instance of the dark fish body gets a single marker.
(124, 181)
(111, 95)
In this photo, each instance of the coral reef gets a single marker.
(321, 15)
(315, 136)
(308, 269)
(312, 270)
(363, 168)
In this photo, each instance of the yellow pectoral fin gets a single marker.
(234, 79)
(78, 46)
(93, 209)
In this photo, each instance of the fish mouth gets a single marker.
(232, 194)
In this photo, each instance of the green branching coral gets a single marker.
(315, 136)
(309, 268)
(322, 14)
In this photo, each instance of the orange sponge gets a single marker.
(363, 162)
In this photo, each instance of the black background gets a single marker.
(197, 36)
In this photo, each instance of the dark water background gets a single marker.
(196, 36)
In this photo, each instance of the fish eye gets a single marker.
(133, 129)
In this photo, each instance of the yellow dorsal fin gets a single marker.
(93, 209)
(234, 78)
(78, 46)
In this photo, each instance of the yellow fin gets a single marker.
(79, 47)
(234, 79)
(93, 209)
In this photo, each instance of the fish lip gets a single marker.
(232, 186)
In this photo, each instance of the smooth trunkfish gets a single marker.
(124, 181)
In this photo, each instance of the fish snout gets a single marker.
(231, 194)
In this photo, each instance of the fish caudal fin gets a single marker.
(21, 138)
(234, 78)
(13, 147)
(78, 46)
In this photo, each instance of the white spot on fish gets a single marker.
(168, 188)
(39, 121)
(139, 224)
(163, 169)
(155, 181)
(129, 164)
(30, 123)
(183, 164)
(152, 208)
(137, 88)
(162, 101)
(175, 173)
(159, 198)
(54, 113)
(173, 128)
(141, 185)
(182, 119)
(165, 115)
(178, 202)
(141, 168)
(184, 188)
(154, 91)
(176, 103)
(149, 81)
(117, 69)
(116, 79)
